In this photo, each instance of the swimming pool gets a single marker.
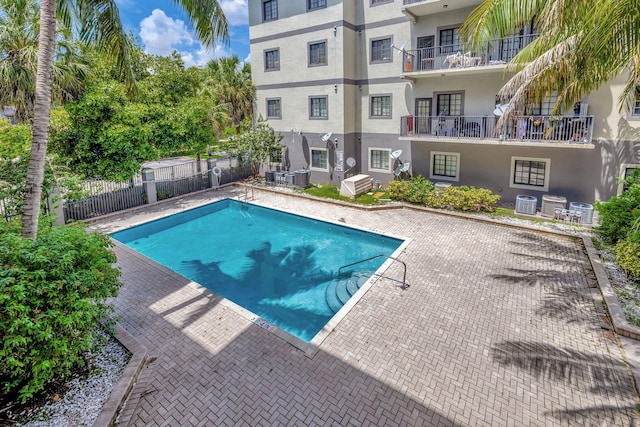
(279, 266)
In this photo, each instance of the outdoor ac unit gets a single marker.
(526, 204)
(550, 203)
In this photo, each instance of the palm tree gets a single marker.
(99, 23)
(231, 80)
(583, 44)
(19, 26)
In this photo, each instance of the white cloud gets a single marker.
(236, 11)
(162, 35)
(247, 60)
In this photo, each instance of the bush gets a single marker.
(628, 256)
(419, 187)
(52, 296)
(398, 190)
(618, 215)
(469, 199)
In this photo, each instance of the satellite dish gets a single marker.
(396, 154)
(401, 48)
(351, 162)
(405, 167)
(326, 137)
(398, 170)
(500, 109)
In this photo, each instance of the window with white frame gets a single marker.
(316, 4)
(318, 53)
(318, 107)
(381, 50)
(272, 60)
(273, 108)
(276, 155)
(445, 166)
(530, 173)
(319, 159)
(542, 108)
(379, 160)
(377, 2)
(380, 106)
(636, 107)
(269, 10)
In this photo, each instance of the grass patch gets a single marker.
(331, 192)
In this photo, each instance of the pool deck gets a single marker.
(501, 326)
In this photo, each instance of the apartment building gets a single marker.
(393, 85)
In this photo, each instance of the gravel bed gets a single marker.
(84, 396)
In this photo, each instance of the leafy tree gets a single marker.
(107, 137)
(258, 145)
(231, 81)
(14, 140)
(98, 22)
(19, 25)
(582, 45)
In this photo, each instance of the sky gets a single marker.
(161, 27)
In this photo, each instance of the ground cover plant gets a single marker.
(53, 292)
(332, 192)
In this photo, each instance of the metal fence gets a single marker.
(170, 181)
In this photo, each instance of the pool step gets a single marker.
(340, 290)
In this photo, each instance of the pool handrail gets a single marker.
(404, 284)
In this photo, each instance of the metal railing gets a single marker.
(497, 52)
(403, 284)
(578, 129)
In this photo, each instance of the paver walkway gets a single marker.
(498, 328)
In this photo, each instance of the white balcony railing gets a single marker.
(577, 129)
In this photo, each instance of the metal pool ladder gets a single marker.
(403, 284)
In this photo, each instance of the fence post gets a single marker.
(149, 185)
(213, 180)
(56, 206)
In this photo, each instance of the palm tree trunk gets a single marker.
(41, 119)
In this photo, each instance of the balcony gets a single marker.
(414, 9)
(420, 62)
(529, 129)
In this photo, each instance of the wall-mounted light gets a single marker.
(335, 88)
(444, 6)
(335, 30)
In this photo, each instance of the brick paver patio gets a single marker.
(498, 328)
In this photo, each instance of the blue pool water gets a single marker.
(281, 267)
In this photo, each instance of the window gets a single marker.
(318, 53)
(316, 4)
(276, 156)
(273, 109)
(272, 60)
(449, 104)
(270, 10)
(379, 160)
(381, 50)
(626, 171)
(449, 41)
(445, 166)
(319, 159)
(530, 173)
(318, 107)
(380, 106)
(377, 2)
(636, 107)
(542, 108)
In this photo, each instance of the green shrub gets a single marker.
(618, 215)
(52, 296)
(398, 190)
(469, 199)
(419, 187)
(628, 256)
